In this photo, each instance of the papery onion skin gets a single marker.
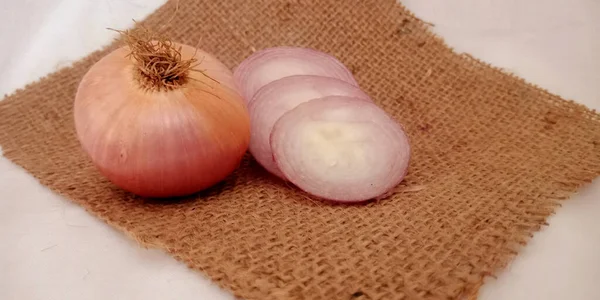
(161, 143)
(270, 64)
(282, 95)
(315, 147)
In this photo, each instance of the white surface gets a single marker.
(52, 249)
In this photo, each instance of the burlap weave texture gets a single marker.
(492, 157)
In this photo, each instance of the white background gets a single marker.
(52, 249)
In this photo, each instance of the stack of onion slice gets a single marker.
(312, 125)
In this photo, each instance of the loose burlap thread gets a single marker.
(492, 158)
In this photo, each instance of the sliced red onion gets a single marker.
(341, 149)
(271, 64)
(282, 95)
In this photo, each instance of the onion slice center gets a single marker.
(340, 148)
(280, 96)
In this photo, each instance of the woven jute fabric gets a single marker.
(492, 157)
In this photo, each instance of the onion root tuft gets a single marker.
(158, 60)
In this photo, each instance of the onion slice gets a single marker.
(341, 149)
(270, 64)
(282, 95)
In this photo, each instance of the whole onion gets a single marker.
(161, 119)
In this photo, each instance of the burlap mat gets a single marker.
(492, 157)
